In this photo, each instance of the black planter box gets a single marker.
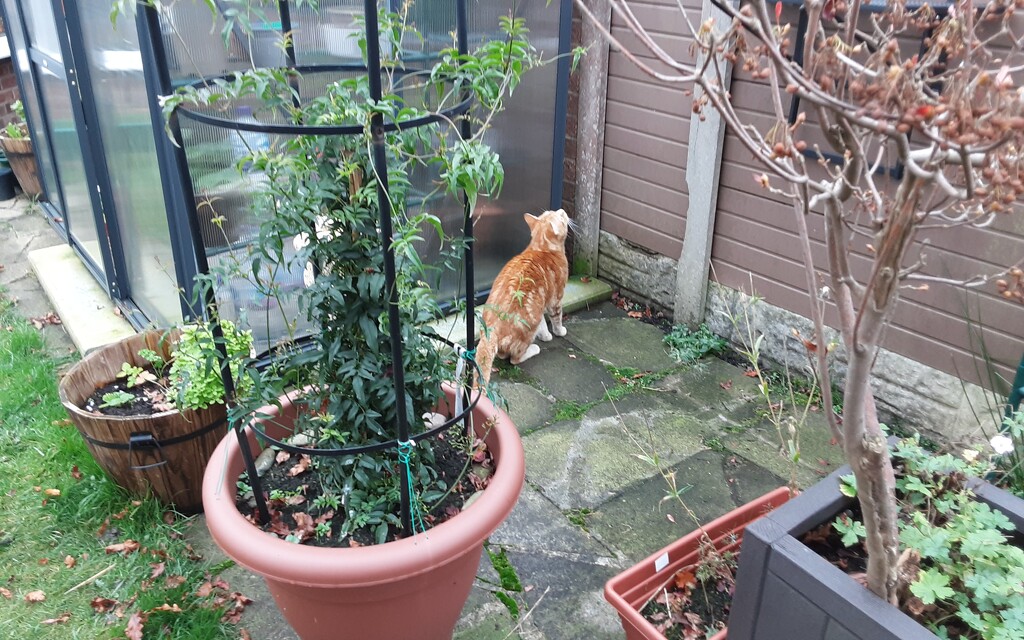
(785, 591)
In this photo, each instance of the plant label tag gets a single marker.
(661, 562)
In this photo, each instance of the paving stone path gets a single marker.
(591, 507)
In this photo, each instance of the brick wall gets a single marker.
(8, 88)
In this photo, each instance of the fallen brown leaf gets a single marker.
(204, 590)
(282, 456)
(173, 608)
(169, 517)
(35, 596)
(173, 582)
(102, 605)
(126, 547)
(243, 634)
(43, 562)
(133, 631)
(61, 619)
(300, 467)
(685, 579)
(53, 493)
(726, 385)
(69, 562)
(75, 473)
(750, 373)
(5, 592)
(158, 569)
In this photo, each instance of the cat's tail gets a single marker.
(485, 352)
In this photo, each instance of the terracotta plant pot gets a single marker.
(630, 591)
(164, 453)
(409, 589)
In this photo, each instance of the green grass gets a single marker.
(570, 410)
(578, 517)
(52, 543)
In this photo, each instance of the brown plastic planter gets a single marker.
(630, 591)
(785, 591)
(409, 589)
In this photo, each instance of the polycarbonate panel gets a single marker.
(119, 90)
(523, 135)
(19, 55)
(42, 30)
(68, 155)
(228, 209)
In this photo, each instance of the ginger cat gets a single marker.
(530, 284)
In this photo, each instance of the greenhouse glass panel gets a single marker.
(63, 134)
(119, 90)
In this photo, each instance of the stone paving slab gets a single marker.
(639, 521)
(573, 607)
(622, 342)
(564, 372)
(24, 228)
(580, 464)
(531, 408)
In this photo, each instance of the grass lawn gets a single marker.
(79, 558)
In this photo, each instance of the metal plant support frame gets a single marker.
(150, 33)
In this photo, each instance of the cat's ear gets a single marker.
(531, 220)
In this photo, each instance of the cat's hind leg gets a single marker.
(527, 353)
(557, 327)
(542, 332)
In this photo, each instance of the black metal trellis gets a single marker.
(150, 32)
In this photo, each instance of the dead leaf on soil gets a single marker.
(61, 619)
(75, 473)
(204, 590)
(726, 385)
(135, 624)
(5, 592)
(33, 597)
(685, 579)
(243, 634)
(750, 373)
(173, 608)
(158, 569)
(126, 547)
(69, 562)
(53, 493)
(300, 467)
(634, 314)
(282, 457)
(102, 605)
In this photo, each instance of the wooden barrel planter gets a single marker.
(163, 454)
(23, 161)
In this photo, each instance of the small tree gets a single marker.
(949, 115)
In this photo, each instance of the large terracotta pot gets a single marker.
(410, 589)
(630, 591)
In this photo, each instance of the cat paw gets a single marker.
(544, 335)
(559, 331)
(531, 351)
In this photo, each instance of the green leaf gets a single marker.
(848, 485)
(931, 585)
